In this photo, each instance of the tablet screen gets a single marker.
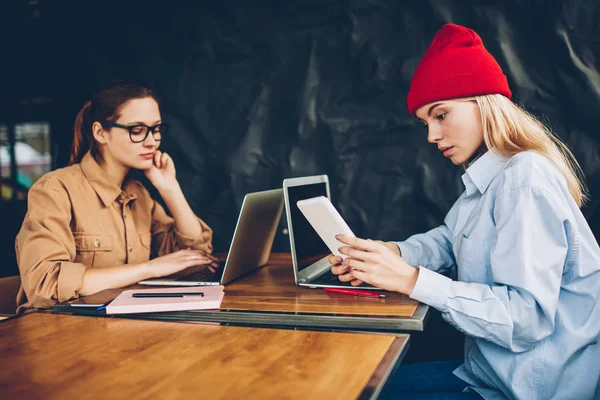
(309, 246)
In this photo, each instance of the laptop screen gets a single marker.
(309, 246)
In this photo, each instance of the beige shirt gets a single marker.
(77, 219)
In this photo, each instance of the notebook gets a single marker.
(189, 298)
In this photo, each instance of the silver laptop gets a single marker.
(309, 252)
(250, 247)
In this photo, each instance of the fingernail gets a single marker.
(338, 260)
(338, 236)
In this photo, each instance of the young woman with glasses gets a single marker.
(91, 227)
(514, 266)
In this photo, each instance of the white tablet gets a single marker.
(326, 221)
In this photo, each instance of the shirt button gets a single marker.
(97, 243)
(130, 249)
(124, 216)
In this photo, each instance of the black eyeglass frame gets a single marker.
(130, 128)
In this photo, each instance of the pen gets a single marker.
(354, 292)
(157, 294)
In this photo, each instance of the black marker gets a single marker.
(168, 294)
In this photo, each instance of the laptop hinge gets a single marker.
(313, 271)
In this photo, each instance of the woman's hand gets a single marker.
(376, 263)
(180, 260)
(339, 269)
(162, 172)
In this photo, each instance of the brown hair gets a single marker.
(104, 106)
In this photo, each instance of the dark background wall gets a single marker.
(257, 91)
(263, 90)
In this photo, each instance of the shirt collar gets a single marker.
(482, 171)
(107, 191)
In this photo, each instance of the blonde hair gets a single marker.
(508, 129)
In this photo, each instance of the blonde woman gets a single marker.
(89, 226)
(523, 262)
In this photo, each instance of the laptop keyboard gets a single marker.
(203, 275)
(329, 278)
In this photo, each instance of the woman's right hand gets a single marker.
(180, 260)
(339, 269)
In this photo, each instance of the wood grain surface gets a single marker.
(272, 288)
(59, 356)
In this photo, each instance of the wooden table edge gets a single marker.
(391, 359)
(298, 320)
(7, 317)
(281, 320)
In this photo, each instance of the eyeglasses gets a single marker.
(139, 133)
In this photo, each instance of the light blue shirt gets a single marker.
(527, 270)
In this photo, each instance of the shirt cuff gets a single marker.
(408, 253)
(70, 279)
(201, 242)
(432, 289)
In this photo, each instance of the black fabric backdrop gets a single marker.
(257, 91)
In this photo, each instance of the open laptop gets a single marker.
(250, 247)
(309, 252)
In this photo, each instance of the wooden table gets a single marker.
(270, 297)
(56, 356)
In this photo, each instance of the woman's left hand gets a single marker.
(377, 264)
(162, 172)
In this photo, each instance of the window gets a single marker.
(4, 154)
(32, 151)
(32, 154)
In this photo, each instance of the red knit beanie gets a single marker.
(455, 65)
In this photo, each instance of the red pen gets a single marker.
(354, 292)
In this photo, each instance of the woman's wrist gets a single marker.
(146, 271)
(170, 190)
(407, 279)
(393, 246)
(411, 281)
